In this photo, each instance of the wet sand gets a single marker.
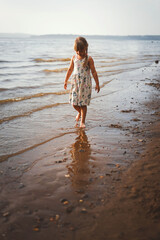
(97, 183)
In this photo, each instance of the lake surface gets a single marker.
(33, 104)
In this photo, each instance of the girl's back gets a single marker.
(79, 66)
(81, 83)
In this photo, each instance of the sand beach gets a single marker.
(100, 183)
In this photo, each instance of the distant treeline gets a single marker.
(109, 37)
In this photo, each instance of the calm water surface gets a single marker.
(33, 104)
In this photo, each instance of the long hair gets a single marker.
(81, 44)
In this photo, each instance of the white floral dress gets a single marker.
(81, 84)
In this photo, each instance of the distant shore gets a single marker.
(109, 37)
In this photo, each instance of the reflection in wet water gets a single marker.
(79, 169)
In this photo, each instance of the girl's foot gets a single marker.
(82, 125)
(78, 117)
(76, 125)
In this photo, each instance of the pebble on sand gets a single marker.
(67, 175)
(36, 229)
(84, 210)
(6, 214)
(57, 217)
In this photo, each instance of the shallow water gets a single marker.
(34, 107)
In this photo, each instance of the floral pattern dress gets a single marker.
(81, 84)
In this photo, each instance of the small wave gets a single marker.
(109, 71)
(116, 64)
(4, 67)
(3, 61)
(26, 66)
(27, 87)
(52, 60)
(120, 64)
(105, 83)
(11, 74)
(7, 119)
(37, 95)
(8, 80)
(55, 70)
(151, 55)
(117, 60)
(16, 88)
(5, 157)
(114, 72)
(2, 89)
(112, 61)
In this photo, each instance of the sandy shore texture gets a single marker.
(101, 183)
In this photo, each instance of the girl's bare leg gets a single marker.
(78, 109)
(83, 116)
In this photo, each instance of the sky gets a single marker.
(87, 17)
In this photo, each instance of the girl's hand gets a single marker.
(65, 85)
(97, 88)
(94, 73)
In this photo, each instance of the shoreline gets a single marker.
(134, 212)
(84, 184)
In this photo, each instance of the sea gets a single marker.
(34, 107)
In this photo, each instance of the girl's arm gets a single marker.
(94, 73)
(69, 72)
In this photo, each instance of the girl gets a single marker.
(81, 85)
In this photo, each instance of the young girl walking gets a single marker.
(81, 86)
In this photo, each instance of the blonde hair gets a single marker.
(81, 44)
